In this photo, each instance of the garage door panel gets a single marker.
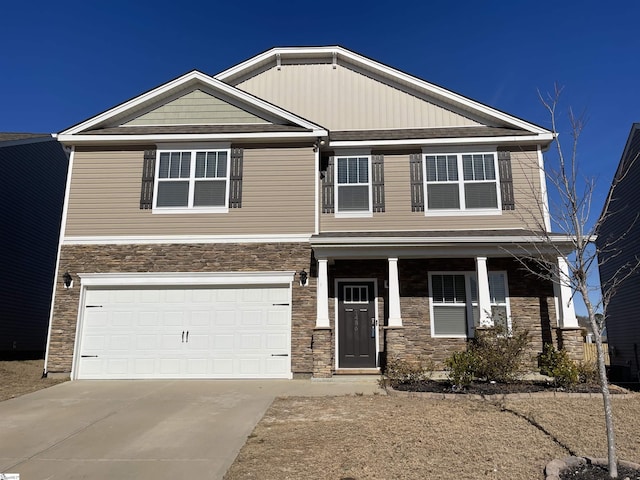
(224, 318)
(233, 333)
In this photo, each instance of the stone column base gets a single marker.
(395, 344)
(322, 353)
(570, 339)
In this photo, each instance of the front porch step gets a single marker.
(357, 371)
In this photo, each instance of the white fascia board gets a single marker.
(420, 241)
(183, 239)
(430, 88)
(185, 279)
(187, 137)
(184, 80)
(539, 138)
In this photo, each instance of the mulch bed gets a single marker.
(598, 472)
(494, 388)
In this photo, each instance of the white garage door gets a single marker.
(186, 332)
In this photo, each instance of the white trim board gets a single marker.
(185, 279)
(183, 239)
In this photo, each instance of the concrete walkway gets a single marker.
(142, 429)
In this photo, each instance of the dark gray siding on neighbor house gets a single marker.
(619, 244)
(32, 187)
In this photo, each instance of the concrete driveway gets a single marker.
(142, 429)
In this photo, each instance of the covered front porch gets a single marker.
(423, 294)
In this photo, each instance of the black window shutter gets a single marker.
(235, 178)
(417, 183)
(148, 177)
(377, 182)
(506, 180)
(327, 186)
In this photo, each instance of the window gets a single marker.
(454, 303)
(461, 182)
(352, 179)
(192, 180)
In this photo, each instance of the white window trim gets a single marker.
(192, 180)
(468, 304)
(461, 183)
(352, 214)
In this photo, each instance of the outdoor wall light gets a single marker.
(68, 280)
(303, 278)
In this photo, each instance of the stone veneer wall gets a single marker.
(532, 308)
(182, 258)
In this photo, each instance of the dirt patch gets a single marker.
(18, 377)
(408, 438)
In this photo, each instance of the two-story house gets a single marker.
(309, 211)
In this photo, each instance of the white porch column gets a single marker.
(566, 312)
(322, 304)
(484, 298)
(395, 318)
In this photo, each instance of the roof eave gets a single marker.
(537, 139)
(70, 139)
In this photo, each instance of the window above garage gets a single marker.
(192, 181)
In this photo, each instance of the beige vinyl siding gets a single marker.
(342, 99)
(196, 107)
(398, 214)
(277, 197)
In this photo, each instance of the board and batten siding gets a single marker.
(197, 107)
(342, 99)
(398, 215)
(277, 197)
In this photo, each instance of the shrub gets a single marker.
(557, 364)
(588, 373)
(461, 366)
(499, 353)
(403, 372)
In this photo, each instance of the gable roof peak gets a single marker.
(338, 54)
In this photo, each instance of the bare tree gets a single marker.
(570, 210)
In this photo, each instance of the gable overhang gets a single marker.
(193, 137)
(277, 55)
(194, 78)
(533, 139)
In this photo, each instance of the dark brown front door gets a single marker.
(356, 325)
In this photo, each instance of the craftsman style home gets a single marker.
(309, 211)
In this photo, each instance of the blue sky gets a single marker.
(63, 62)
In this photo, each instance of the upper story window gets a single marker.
(461, 182)
(192, 180)
(353, 192)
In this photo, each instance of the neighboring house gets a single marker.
(34, 168)
(309, 211)
(619, 245)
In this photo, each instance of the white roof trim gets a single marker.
(419, 241)
(191, 77)
(187, 137)
(429, 88)
(446, 141)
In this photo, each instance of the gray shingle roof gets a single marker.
(187, 129)
(419, 133)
